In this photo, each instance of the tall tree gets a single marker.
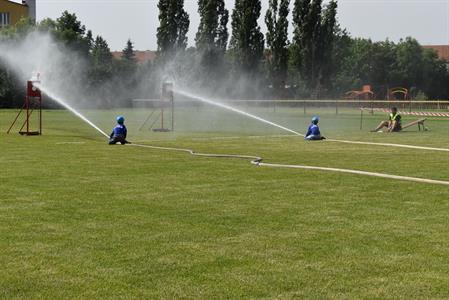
(324, 53)
(101, 61)
(382, 58)
(89, 39)
(125, 71)
(212, 36)
(70, 30)
(10, 91)
(409, 63)
(173, 28)
(47, 25)
(435, 76)
(247, 41)
(314, 30)
(212, 31)
(354, 65)
(277, 41)
(101, 73)
(126, 67)
(301, 33)
(312, 52)
(128, 53)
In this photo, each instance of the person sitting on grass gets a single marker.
(393, 124)
(313, 133)
(119, 132)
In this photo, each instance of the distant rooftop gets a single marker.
(442, 50)
(141, 56)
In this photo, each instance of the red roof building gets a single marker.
(442, 51)
(141, 56)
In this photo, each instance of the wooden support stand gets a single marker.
(419, 122)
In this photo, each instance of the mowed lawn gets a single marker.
(81, 219)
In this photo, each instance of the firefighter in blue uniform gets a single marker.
(313, 133)
(119, 132)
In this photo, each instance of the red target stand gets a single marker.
(32, 103)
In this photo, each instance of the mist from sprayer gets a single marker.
(70, 108)
(38, 53)
(217, 91)
(54, 69)
(62, 75)
(233, 109)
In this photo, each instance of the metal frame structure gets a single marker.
(159, 108)
(33, 101)
(366, 93)
(391, 94)
(167, 100)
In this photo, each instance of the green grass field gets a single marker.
(81, 219)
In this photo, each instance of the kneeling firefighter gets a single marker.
(119, 132)
(313, 133)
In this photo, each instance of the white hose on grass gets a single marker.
(255, 160)
(389, 145)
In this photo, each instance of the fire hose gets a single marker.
(257, 161)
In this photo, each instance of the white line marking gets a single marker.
(374, 174)
(327, 140)
(389, 145)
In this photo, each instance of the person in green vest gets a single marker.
(393, 124)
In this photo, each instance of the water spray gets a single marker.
(74, 111)
(255, 160)
(224, 106)
(22, 67)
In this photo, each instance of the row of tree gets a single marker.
(320, 60)
(308, 58)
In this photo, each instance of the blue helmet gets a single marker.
(120, 119)
(315, 119)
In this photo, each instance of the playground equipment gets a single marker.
(33, 101)
(161, 110)
(398, 93)
(366, 94)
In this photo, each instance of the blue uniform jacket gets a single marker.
(120, 129)
(313, 130)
